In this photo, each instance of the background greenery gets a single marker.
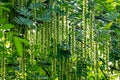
(59, 39)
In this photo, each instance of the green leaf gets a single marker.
(4, 8)
(25, 21)
(18, 45)
(1, 34)
(17, 20)
(3, 20)
(26, 42)
(7, 26)
(108, 26)
(25, 12)
(36, 5)
(5, 4)
(109, 1)
(56, 78)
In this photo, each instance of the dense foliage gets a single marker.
(60, 39)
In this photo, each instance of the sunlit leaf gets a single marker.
(18, 45)
(7, 26)
(56, 78)
(108, 26)
(109, 1)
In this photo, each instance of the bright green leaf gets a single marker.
(108, 25)
(56, 78)
(109, 1)
(7, 26)
(18, 45)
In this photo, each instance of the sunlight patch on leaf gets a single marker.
(56, 78)
(109, 1)
(108, 26)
